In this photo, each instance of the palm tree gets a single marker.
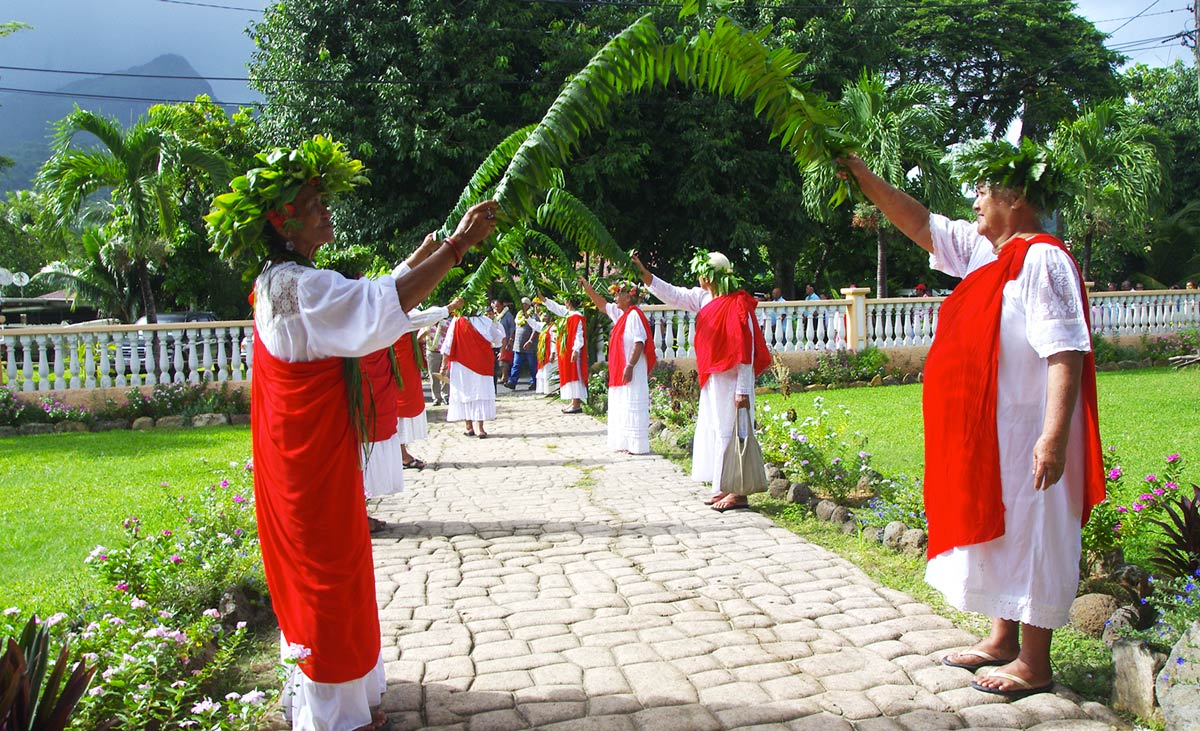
(895, 131)
(143, 167)
(100, 281)
(1115, 168)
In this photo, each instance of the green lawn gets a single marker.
(1147, 414)
(61, 494)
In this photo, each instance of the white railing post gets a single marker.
(856, 299)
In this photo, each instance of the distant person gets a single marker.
(923, 291)
(572, 353)
(524, 347)
(467, 362)
(810, 293)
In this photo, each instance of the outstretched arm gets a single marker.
(904, 211)
(594, 296)
(642, 270)
(475, 226)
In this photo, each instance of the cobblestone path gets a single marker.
(533, 580)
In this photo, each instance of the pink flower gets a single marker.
(167, 533)
(1147, 497)
(1122, 509)
(176, 559)
(211, 613)
(1151, 478)
(1158, 491)
(224, 483)
(1138, 507)
(241, 625)
(122, 586)
(239, 499)
(1117, 527)
(1172, 458)
(138, 603)
(1115, 473)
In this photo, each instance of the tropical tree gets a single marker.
(100, 280)
(1115, 163)
(141, 167)
(896, 132)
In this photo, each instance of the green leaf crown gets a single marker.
(715, 267)
(1028, 169)
(238, 218)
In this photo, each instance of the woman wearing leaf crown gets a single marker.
(630, 360)
(470, 364)
(1012, 445)
(730, 352)
(308, 420)
(572, 352)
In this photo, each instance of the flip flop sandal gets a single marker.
(376, 525)
(468, 433)
(987, 660)
(713, 500)
(482, 435)
(572, 411)
(734, 506)
(1024, 689)
(414, 464)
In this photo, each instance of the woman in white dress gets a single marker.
(630, 358)
(730, 352)
(547, 374)
(572, 354)
(306, 427)
(468, 360)
(1010, 412)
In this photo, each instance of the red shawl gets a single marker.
(411, 396)
(471, 349)
(963, 496)
(616, 348)
(568, 372)
(312, 522)
(380, 393)
(723, 340)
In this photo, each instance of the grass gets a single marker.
(1147, 414)
(61, 494)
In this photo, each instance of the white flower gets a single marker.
(96, 691)
(254, 697)
(138, 603)
(54, 619)
(211, 613)
(232, 696)
(11, 611)
(296, 651)
(205, 706)
(241, 625)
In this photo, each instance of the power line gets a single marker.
(1142, 15)
(1144, 11)
(115, 97)
(210, 5)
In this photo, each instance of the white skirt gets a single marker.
(472, 396)
(547, 378)
(413, 429)
(629, 414)
(312, 706)
(714, 426)
(383, 467)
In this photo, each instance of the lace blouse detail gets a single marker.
(281, 282)
(1049, 294)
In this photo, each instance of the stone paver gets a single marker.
(533, 580)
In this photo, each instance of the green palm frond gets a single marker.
(566, 214)
(486, 176)
(81, 120)
(493, 267)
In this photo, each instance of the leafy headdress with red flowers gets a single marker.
(265, 193)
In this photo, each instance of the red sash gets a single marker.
(963, 495)
(380, 394)
(312, 522)
(411, 396)
(723, 340)
(616, 348)
(569, 372)
(471, 349)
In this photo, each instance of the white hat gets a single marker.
(526, 301)
(719, 261)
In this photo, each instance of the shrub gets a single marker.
(15, 412)
(844, 366)
(820, 449)
(901, 499)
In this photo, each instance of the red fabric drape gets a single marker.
(963, 496)
(569, 372)
(471, 349)
(312, 521)
(723, 339)
(616, 347)
(411, 396)
(380, 393)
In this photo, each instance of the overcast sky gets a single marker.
(88, 35)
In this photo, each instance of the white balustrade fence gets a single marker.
(73, 357)
(55, 358)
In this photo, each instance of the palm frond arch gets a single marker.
(524, 173)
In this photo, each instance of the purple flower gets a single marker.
(206, 706)
(1115, 473)
(121, 586)
(211, 613)
(1172, 458)
(224, 483)
(237, 531)
(1146, 496)
(1138, 507)
(176, 559)
(1117, 528)
(239, 499)
(1122, 509)
(1179, 661)
(1157, 491)
(138, 603)
(1171, 486)
(1151, 478)
(167, 533)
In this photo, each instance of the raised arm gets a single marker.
(476, 225)
(594, 296)
(905, 212)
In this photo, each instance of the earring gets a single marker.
(289, 246)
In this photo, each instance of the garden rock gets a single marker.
(778, 487)
(170, 422)
(1090, 611)
(210, 420)
(72, 426)
(815, 387)
(110, 425)
(8, 431)
(892, 533)
(1127, 365)
(908, 378)
(1135, 665)
(858, 384)
(890, 380)
(773, 471)
(244, 419)
(1178, 685)
(850, 527)
(656, 427)
(142, 422)
(28, 429)
(1132, 577)
(840, 515)
(1125, 618)
(914, 542)
(825, 509)
(799, 492)
(877, 380)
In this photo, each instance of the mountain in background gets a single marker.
(27, 121)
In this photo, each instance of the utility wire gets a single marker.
(1144, 11)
